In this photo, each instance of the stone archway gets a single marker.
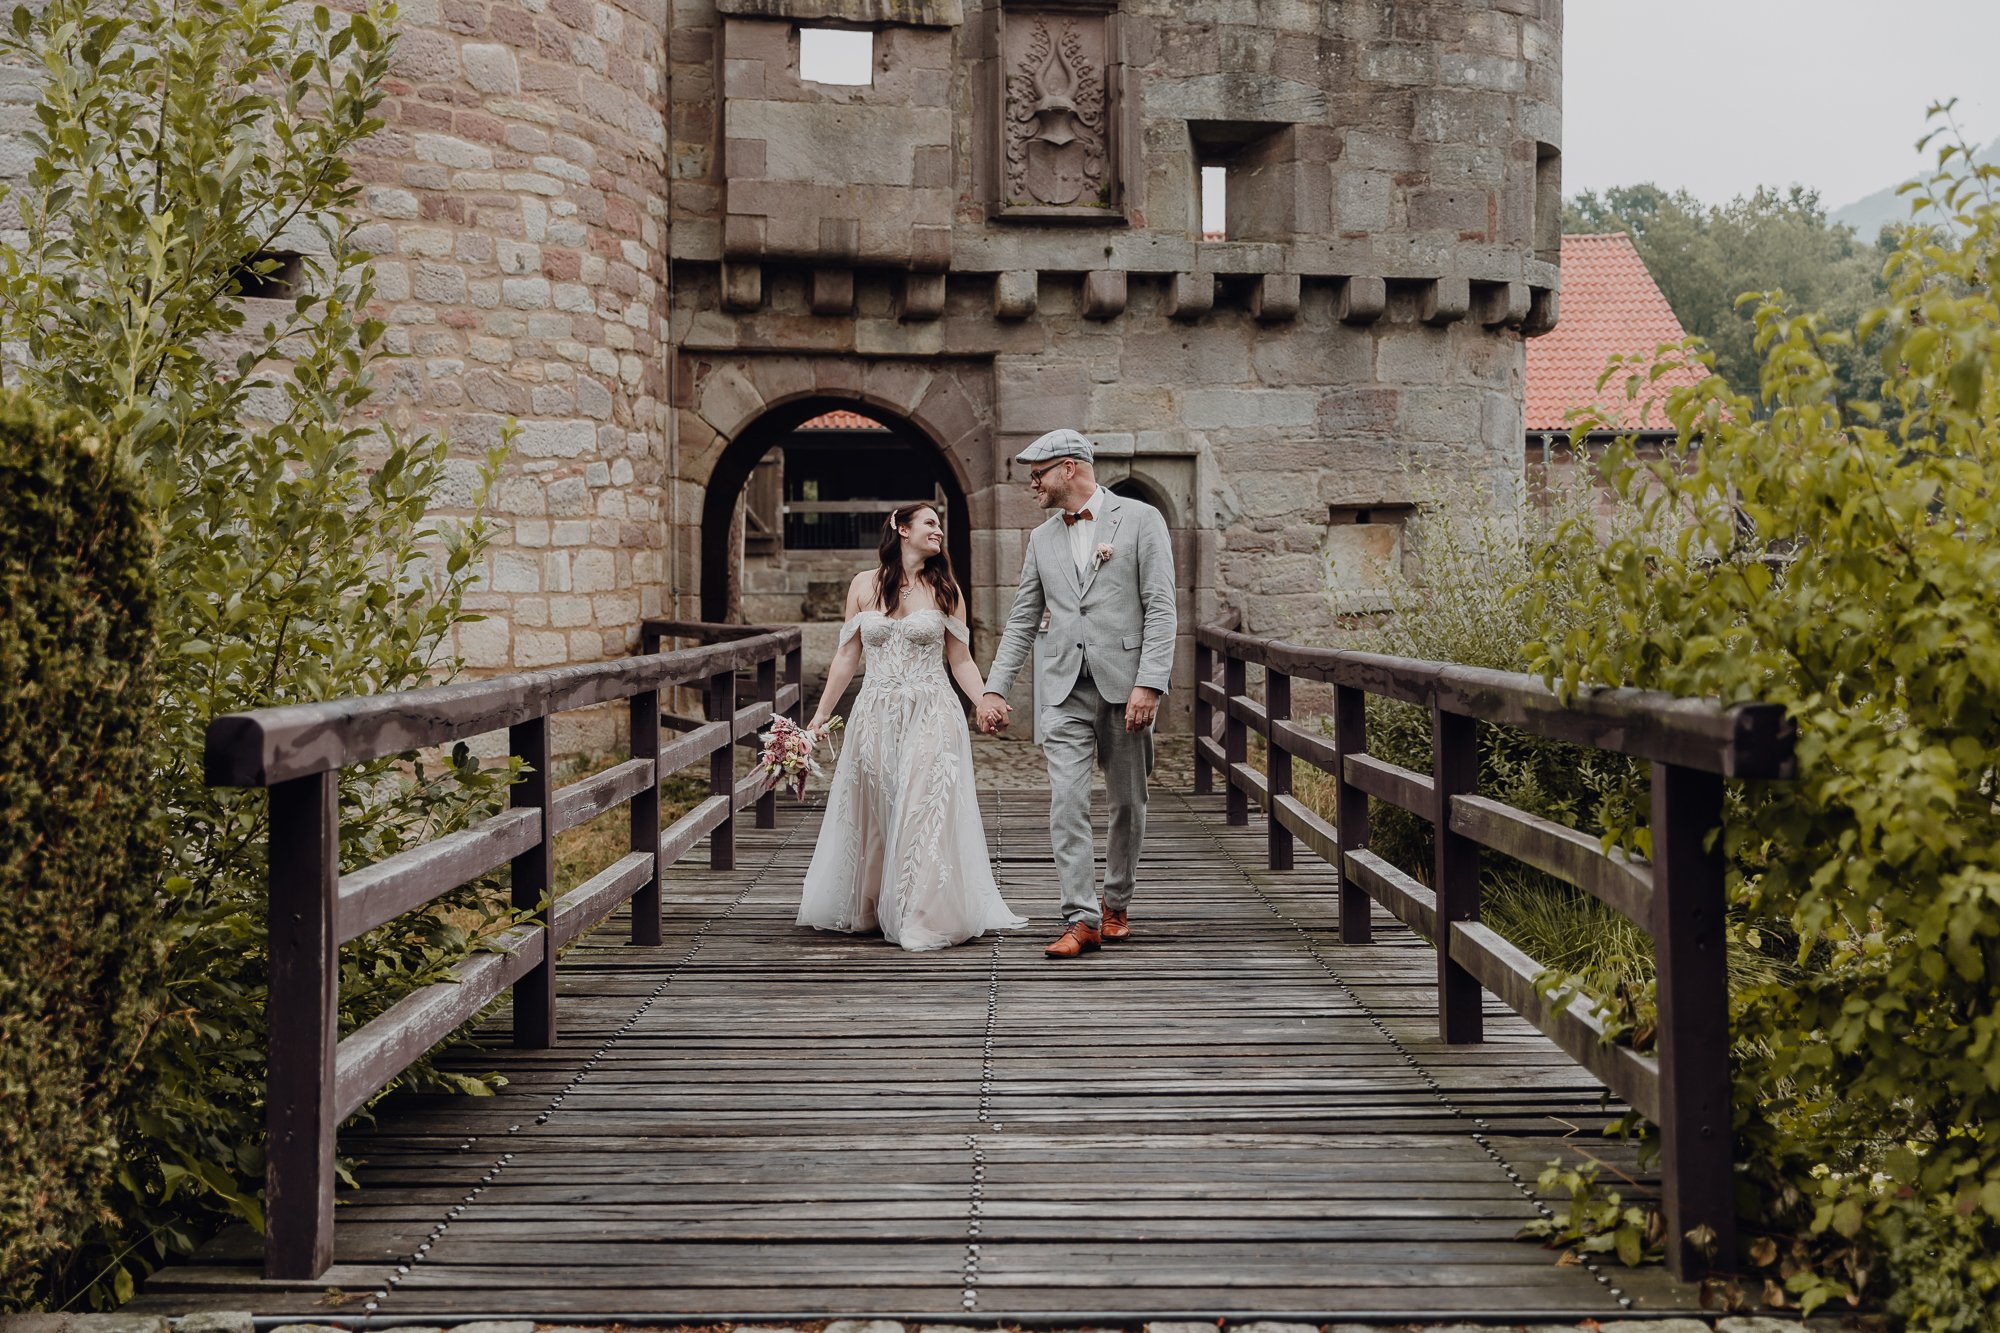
(779, 426)
(732, 409)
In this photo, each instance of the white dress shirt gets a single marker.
(1083, 532)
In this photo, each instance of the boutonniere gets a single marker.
(1103, 552)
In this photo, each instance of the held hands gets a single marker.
(1141, 708)
(993, 713)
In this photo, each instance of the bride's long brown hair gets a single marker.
(936, 571)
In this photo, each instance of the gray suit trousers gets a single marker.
(1078, 734)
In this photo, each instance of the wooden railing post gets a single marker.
(767, 692)
(1350, 809)
(304, 1010)
(1455, 772)
(645, 806)
(1204, 720)
(1235, 740)
(721, 704)
(534, 877)
(795, 675)
(1690, 955)
(1277, 767)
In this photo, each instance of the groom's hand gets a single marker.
(993, 712)
(1141, 708)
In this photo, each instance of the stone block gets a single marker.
(516, 571)
(1361, 300)
(439, 284)
(1033, 398)
(593, 571)
(1016, 293)
(923, 296)
(1444, 415)
(525, 293)
(569, 497)
(1189, 297)
(1275, 299)
(1248, 409)
(384, 202)
(216, 1321)
(1445, 301)
(1341, 355)
(742, 286)
(1104, 293)
(1460, 211)
(490, 67)
(1503, 304)
(1544, 308)
(1406, 355)
(445, 150)
(556, 439)
(539, 648)
(832, 291)
(1359, 411)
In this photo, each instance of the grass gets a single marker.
(588, 848)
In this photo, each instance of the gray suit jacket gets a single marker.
(1119, 616)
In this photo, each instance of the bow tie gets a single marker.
(1079, 516)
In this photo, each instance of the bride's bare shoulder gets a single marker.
(861, 593)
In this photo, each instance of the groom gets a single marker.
(1102, 568)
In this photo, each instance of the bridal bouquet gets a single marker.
(787, 757)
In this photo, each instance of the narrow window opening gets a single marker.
(836, 55)
(1215, 203)
(272, 275)
(1548, 203)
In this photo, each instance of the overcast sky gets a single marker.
(1687, 93)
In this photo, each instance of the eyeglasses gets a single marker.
(1035, 475)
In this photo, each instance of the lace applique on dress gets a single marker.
(902, 847)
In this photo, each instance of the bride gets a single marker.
(902, 848)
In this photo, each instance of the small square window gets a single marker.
(836, 55)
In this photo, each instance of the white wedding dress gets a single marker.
(902, 847)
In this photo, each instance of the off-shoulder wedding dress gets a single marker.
(902, 847)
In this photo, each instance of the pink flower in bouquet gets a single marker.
(787, 756)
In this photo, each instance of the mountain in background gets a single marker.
(1868, 216)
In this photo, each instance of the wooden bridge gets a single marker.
(1232, 1114)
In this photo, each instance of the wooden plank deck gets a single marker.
(1231, 1114)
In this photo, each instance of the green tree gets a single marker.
(1838, 556)
(1705, 257)
(179, 146)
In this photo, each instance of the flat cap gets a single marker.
(1063, 443)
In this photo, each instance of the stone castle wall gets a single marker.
(632, 226)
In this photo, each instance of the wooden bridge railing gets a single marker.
(318, 1078)
(1677, 897)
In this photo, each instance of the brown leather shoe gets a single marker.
(1081, 937)
(1117, 926)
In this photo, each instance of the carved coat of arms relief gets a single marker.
(1055, 137)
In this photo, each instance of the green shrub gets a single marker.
(78, 851)
(1840, 558)
(1466, 606)
(176, 148)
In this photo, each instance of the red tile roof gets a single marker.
(842, 421)
(1610, 303)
